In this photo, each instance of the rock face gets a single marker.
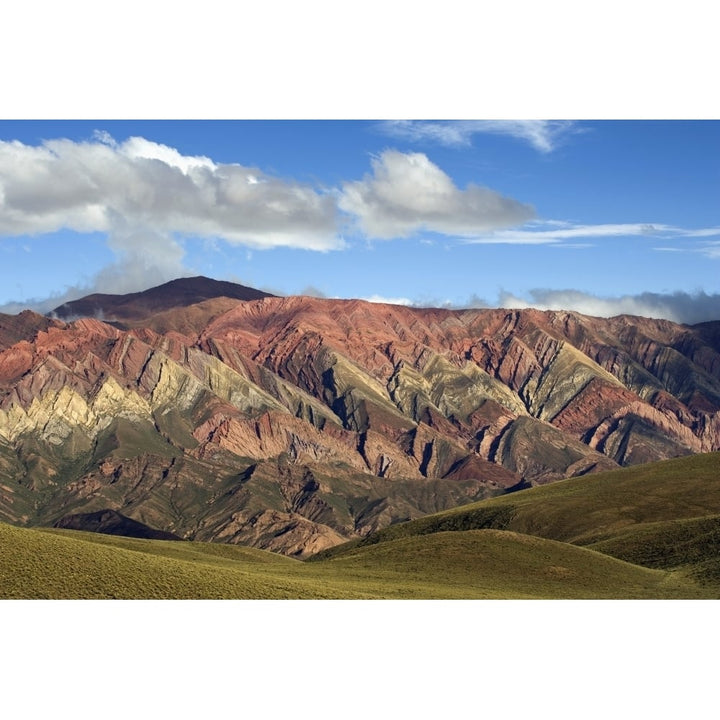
(293, 424)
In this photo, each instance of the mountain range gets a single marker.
(209, 411)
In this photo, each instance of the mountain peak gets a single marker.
(180, 292)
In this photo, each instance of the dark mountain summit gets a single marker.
(135, 306)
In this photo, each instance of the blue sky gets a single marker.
(599, 216)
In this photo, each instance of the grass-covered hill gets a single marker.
(662, 515)
(468, 564)
(646, 532)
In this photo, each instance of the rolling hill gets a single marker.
(663, 515)
(643, 532)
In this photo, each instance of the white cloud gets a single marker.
(140, 148)
(572, 246)
(94, 186)
(561, 231)
(703, 232)
(679, 307)
(543, 135)
(710, 249)
(143, 259)
(146, 196)
(407, 193)
(388, 300)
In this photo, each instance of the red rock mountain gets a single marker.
(215, 412)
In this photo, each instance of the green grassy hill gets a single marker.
(497, 564)
(660, 515)
(470, 564)
(646, 532)
(66, 564)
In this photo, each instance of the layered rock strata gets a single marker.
(296, 423)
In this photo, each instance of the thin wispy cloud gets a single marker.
(708, 249)
(559, 232)
(704, 232)
(543, 135)
(711, 250)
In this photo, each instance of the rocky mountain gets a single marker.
(214, 412)
(134, 308)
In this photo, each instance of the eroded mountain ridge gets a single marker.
(294, 423)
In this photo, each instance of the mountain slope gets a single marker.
(297, 423)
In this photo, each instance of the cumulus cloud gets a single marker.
(93, 186)
(543, 135)
(143, 259)
(146, 197)
(406, 192)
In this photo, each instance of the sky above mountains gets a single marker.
(601, 217)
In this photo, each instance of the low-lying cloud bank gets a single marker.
(115, 279)
(680, 307)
